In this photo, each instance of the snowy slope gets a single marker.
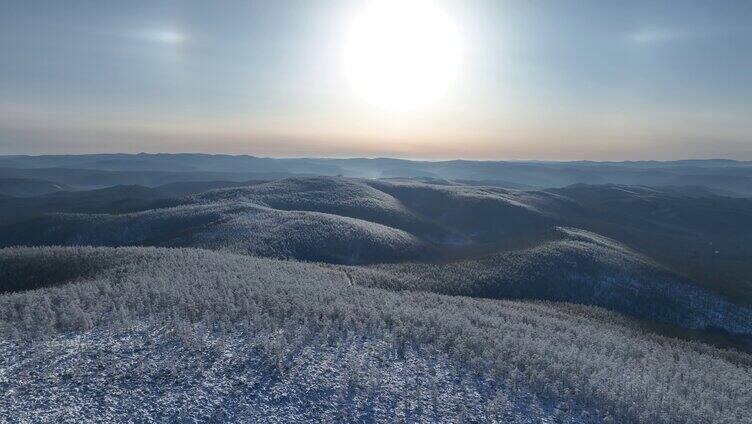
(183, 331)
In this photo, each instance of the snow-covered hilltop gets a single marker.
(166, 333)
(354, 300)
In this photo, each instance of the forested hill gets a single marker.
(283, 340)
(327, 298)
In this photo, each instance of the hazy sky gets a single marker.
(535, 80)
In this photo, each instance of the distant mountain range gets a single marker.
(725, 177)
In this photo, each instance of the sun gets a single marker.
(402, 55)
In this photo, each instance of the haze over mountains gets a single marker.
(529, 291)
(722, 176)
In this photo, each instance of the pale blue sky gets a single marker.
(537, 80)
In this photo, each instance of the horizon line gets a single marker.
(407, 159)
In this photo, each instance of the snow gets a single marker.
(147, 374)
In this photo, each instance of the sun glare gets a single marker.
(402, 55)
